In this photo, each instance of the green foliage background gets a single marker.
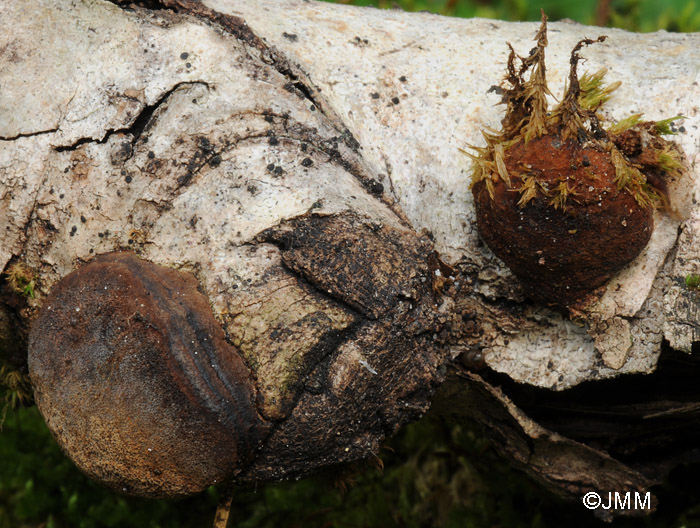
(633, 15)
(434, 474)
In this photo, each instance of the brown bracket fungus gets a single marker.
(564, 201)
(136, 381)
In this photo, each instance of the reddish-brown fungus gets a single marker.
(563, 201)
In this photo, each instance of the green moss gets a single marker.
(20, 280)
(594, 92)
(630, 178)
(663, 127)
(669, 161)
(625, 124)
(692, 282)
(15, 391)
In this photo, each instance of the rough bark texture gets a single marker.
(301, 160)
(559, 462)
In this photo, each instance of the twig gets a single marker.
(602, 15)
(223, 510)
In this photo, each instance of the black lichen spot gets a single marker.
(151, 154)
(125, 151)
(188, 65)
(374, 187)
(395, 100)
(271, 167)
(306, 162)
(73, 230)
(375, 95)
(350, 140)
(185, 179)
(252, 189)
(128, 179)
(215, 161)
(184, 55)
(205, 144)
(83, 219)
(278, 171)
(193, 221)
(312, 108)
(403, 78)
(292, 37)
(268, 118)
(273, 141)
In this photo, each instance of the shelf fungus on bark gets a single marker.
(563, 198)
(137, 382)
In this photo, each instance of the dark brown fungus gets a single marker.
(560, 255)
(136, 381)
(563, 200)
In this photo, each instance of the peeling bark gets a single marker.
(558, 462)
(301, 160)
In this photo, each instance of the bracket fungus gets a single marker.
(562, 197)
(136, 381)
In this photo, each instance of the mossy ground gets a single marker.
(434, 475)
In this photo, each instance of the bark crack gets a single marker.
(28, 134)
(138, 126)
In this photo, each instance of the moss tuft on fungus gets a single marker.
(563, 197)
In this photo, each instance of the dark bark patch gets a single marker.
(367, 266)
(382, 370)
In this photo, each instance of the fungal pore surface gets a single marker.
(564, 197)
